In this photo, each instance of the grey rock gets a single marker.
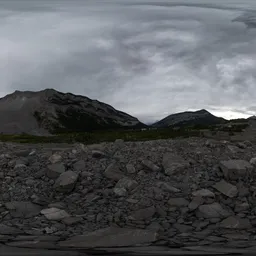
(59, 205)
(54, 170)
(213, 210)
(235, 169)
(173, 163)
(203, 193)
(240, 207)
(167, 187)
(143, 214)
(33, 244)
(15, 251)
(237, 236)
(54, 214)
(98, 154)
(120, 191)
(113, 172)
(150, 165)
(178, 202)
(66, 182)
(183, 228)
(195, 203)
(72, 220)
(23, 209)
(226, 188)
(234, 222)
(154, 226)
(253, 161)
(127, 184)
(55, 158)
(130, 168)
(7, 230)
(111, 237)
(79, 166)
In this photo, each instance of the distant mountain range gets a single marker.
(49, 111)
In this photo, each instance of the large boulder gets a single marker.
(66, 182)
(111, 237)
(235, 169)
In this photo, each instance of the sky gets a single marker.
(147, 58)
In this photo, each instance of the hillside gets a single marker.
(189, 118)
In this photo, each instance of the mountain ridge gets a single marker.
(49, 111)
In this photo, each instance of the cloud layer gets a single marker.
(147, 58)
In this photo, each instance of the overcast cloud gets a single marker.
(147, 58)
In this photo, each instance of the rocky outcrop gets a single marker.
(136, 199)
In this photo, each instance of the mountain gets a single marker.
(49, 111)
(200, 117)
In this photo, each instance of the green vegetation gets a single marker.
(101, 136)
(127, 135)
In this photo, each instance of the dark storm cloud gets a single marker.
(147, 58)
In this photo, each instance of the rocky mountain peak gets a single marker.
(49, 111)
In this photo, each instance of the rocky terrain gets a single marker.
(193, 194)
(50, 111)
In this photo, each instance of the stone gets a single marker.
(79, 166)
(54, 214)
(7, 230)
(98, 154)
(130, 168)
(66, 182)
(253, 161)
(120, 192)
(178, 202)
(143, 214)
(234, 222)
(154, 226)
(55, 158)
(150, 165)
(54, 170)
(183, 228)
(213, 210)
(195, 203)
(235, 169)
(167, 187)
(226, 188)
(72, 220)
(173, 163)
(240, 207)
(59, 205)
(113, 172)
(33, 244)
(111, 237)
(127, 184)
(203, 193)
(23, 209)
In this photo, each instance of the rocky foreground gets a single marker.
(193, 194)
